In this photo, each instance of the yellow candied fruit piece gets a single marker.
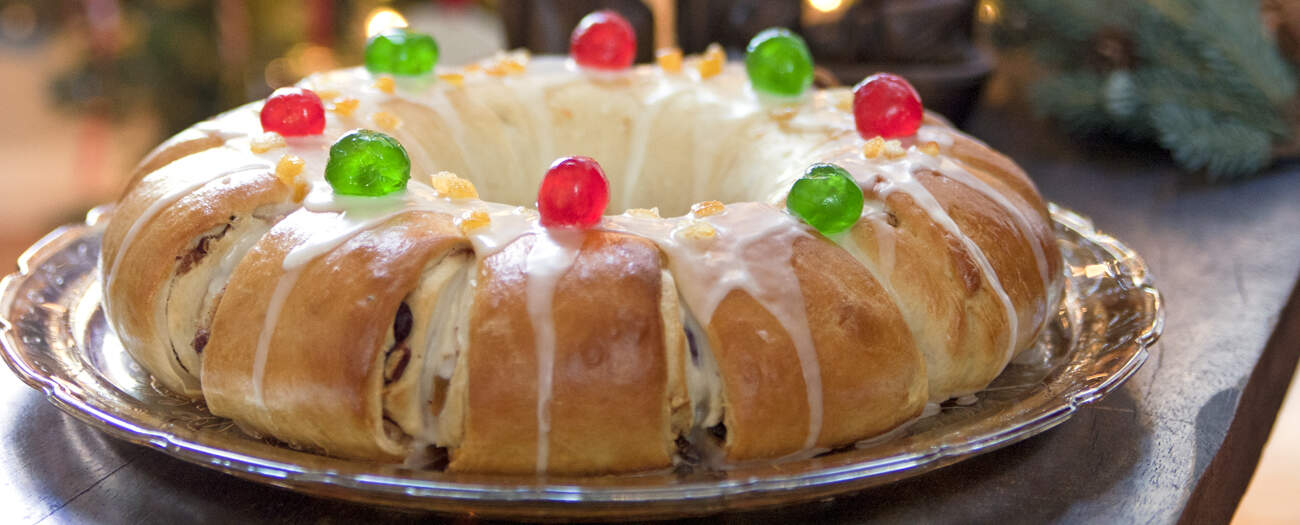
(669, 59)
(288, 168)
(472, 220)
(266, 142)
(300, 190)
(514, 66)
(386, 84)
(327, 94)
(503, 64)
(455, 79)
(711, 61)
(451, 186)
(698, 230)
(386, 120)
(930, 148)
(894, 149)
(844, 101)
(345, 107)
(783, 113)
(707, 208)
(645, 213)
(873, 148)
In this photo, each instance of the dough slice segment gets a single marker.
(618, 398)
(872, 376)
(215, 198)
(323, 372)
(951, 305)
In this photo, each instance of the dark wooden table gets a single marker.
(1179, 440)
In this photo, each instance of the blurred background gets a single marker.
(89, 86)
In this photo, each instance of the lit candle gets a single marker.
(665, 19)
(383, 19)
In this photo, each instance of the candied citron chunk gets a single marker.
(266, 142)
(707, 208)
(451, 186)
(669, 59)
(472, 220)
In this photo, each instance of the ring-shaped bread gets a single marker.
(434, 326)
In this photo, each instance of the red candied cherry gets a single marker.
(573, 194)
(885, 105)
(603, 40)
(293, 112)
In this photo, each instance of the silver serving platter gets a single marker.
(55, 338)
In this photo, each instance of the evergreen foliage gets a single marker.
(1200, 77)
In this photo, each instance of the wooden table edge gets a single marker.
(1221, 487)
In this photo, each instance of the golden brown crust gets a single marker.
(872, 377)
(208, 195)
(609, 403)
(323, 372)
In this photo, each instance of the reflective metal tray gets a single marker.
(55, 338)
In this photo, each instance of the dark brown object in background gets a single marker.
(926, 41)
(1282, 20)
(544, 26)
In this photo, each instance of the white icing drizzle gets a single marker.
(226, 266)
(352, 215)
(508, 223)
(639, 141)
(273, 307)
(551, 256)
(883, 268)
(533, 99)
(437, 101)
(936, 134)
(886, 242)
(899, 176)
(956, 172)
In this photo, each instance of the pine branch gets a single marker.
(1244, 103)
(1230, 38)
(1204, 80)
(1200, 140)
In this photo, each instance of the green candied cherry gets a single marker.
(826, 198)
(401, 52)
(368, 164)
(779, 63)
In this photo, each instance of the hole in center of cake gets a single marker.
(668, 186)
(667, 157)
(659, 149)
